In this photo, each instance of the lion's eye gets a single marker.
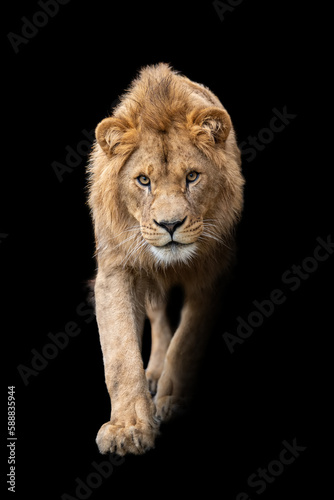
(143, 180)
(192, 176)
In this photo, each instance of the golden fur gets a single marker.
(165, 192)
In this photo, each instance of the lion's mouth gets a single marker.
(175, 244)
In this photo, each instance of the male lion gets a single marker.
(165, 192)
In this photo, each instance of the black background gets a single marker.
(274, 387)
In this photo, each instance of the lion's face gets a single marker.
(169, 187)
(166, 184)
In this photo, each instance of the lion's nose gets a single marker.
(170, 226)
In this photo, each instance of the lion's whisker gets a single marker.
(125, 241)
(138, 249)
(142, 249)
(137, 246)
(133, 228)
(216, 238)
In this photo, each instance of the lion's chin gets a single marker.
(174, 253)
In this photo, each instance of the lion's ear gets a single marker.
(209, 126)
(116, 136)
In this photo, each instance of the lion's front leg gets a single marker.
(120, 315)
(183, 358)
(161, 337)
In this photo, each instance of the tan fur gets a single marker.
(165, 128)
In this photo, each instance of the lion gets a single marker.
(165, 194)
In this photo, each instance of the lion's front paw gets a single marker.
(136, 439)
(168, 407)
(152, 378)
(132, 431)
